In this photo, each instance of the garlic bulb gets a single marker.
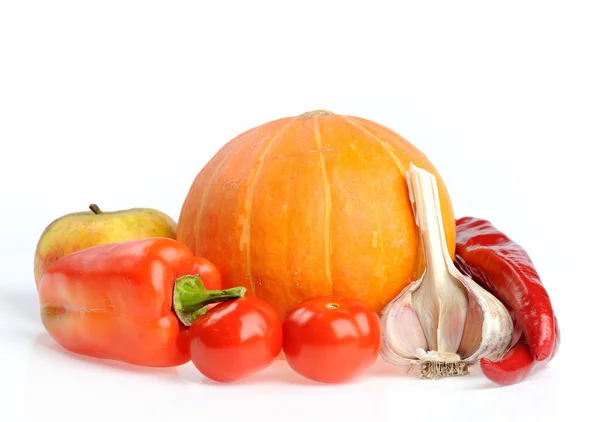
(444, 321)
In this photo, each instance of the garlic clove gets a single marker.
(471, 339)
(402, 332)
(442, 313)
(497, 325)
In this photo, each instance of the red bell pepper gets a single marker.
(129, 301)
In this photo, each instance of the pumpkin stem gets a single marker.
(316, 113)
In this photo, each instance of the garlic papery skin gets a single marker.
(443, 321)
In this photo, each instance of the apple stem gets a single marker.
(95, 209)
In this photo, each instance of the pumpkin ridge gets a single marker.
(327, 187)
(385, 145)
(396, 139)
(245, 236)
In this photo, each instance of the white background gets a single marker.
(123, 102)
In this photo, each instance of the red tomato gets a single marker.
(235, 339)
(331, 339)
(209, 274)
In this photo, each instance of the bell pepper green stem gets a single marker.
(190, 297)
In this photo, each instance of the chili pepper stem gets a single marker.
(190, 297)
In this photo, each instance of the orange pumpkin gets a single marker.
(311, 205)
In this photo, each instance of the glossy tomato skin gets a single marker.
(331, 339)
(235, 339)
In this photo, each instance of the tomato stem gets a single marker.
(190, 297)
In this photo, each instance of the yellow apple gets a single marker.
(81, 230)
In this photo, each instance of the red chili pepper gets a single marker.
(514, 366)
(505, 269)
(126, 301)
